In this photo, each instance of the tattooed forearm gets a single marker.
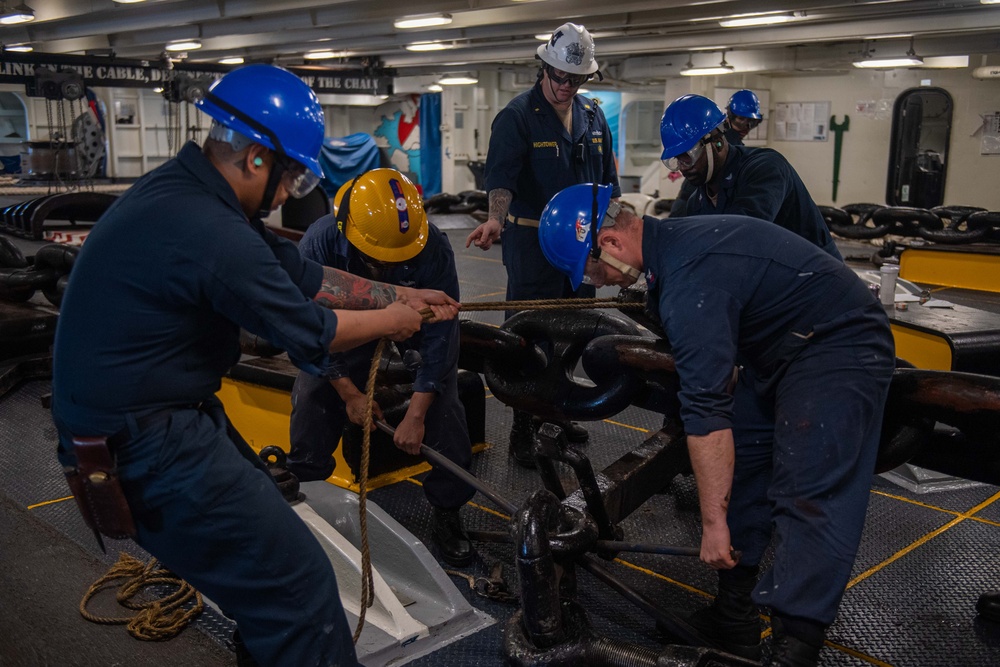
(343, 290)
(500, 203)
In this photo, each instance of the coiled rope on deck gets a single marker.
(367, 581)
(157, 619)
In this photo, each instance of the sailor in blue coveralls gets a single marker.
(151, 322)
(386, 237)
(729, 287)
(544, 140)
(757, 182)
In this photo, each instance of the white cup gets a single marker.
(887, 287)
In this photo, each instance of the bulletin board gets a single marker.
(802, 121)
(758, 135)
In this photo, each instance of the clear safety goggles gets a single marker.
(685, 159)
(742, 122)
(297, 180)
(574, 80)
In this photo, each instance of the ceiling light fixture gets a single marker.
(722, 68)
(429, 46)
(320, 55)
(20, 14)
(989, 2)
(543, 36)
(458, 80)
(189, 45)
(232, 60)
(128, 2)
(19, 48)
(422, 21)
(435, 88)
(911, 59)
(745, 20)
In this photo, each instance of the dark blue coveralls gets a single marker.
(533, 156)
(149, 325)
(732, 287)
(318, 412)
(760, 183)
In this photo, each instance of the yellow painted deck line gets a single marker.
(657, 575)
(634, 428)
(959, 518)
(49, 502)
(859, 655)
(483, 259)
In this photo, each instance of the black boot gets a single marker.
(988, 606)
(795, 642)
(575, 433)
(450, 537)
(522, 440)
(731, 623)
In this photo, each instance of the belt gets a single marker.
(527, 222)
(147, 422)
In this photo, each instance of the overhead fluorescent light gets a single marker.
(722, 68)
(429, 46)
(904, 61)
(707, 71)
(422, 21)
(20, 14)
(989, 2)
(543, 36)
(458, 80)
(19, 48)
(759, 19)
(232, 60)
(320, 55)
(129, 2)
(435, 88)
(189, 45)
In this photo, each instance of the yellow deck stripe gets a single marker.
(634, 428)
(49, 502)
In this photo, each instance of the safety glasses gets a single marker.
(297, 180)
(685, 159)
(574, 80)
(742, 122)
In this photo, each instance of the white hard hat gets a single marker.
(570, 49)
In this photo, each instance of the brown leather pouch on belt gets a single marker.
(98, 491)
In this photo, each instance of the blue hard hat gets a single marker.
(686, 120)
(744, 103)
(564, 230)
(272, 107)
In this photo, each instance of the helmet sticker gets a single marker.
(402, 210)
(574, 53)
(555, 38)
(582, 229)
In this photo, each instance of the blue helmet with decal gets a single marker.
(686, 121)
(565, 231)
(272, 107)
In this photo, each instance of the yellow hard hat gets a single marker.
(382, 215)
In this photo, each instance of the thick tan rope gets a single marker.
(549, 304)
(157, 619)
(367, 580)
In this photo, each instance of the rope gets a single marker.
(549, 304)
(367, 581)
(157, 619)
